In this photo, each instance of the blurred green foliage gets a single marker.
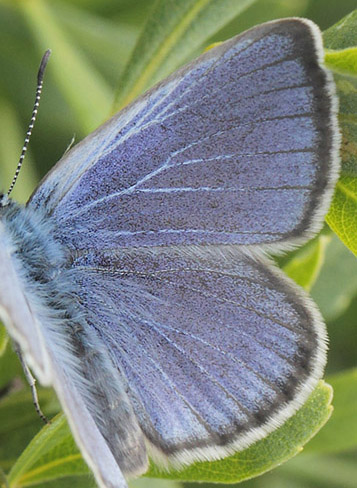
(104, 53)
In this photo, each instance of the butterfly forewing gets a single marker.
(237, 147)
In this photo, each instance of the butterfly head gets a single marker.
(4, 200)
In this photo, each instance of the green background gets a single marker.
(93, 70)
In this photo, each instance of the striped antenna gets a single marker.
(40, 74)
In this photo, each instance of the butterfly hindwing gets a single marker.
(217, 348)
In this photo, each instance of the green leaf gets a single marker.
(86, 90)
(342, 38)
(279, 446)
(51, 454)
(342, 216)
(172, 34)
(343, 34)
(340, 433)
(307, 471)
(305, 264)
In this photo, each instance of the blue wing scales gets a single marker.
(236, 148)
(215, 347)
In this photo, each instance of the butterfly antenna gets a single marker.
(40, 75)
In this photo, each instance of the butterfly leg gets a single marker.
(32, 382)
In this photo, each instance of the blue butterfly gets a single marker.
(135, 279)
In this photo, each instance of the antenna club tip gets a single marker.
(43, 65)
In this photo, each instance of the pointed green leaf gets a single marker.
(342, 216)
(340, 433)
(343, 34)
(172, 34)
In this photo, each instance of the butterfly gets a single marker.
(136, 281)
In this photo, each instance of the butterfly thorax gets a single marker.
(41, 264)
(30, 236)
(34, 270)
